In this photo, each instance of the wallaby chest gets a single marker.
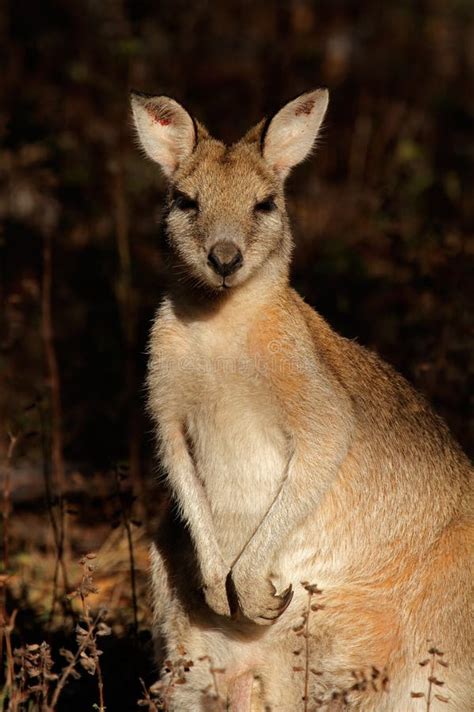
(234, 431)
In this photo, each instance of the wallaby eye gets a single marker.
(184, 202)
(265, 206)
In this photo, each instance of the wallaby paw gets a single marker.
(215, 594)
(260, 602)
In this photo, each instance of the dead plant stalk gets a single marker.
(54, 382)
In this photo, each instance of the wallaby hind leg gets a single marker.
(282, 689)
(188, 645)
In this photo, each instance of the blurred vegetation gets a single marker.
(382, 215)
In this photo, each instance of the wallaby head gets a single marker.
(225, 219)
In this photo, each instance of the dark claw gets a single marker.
(287, 595)
(285, 598)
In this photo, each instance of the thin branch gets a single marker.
(69, 668)
(124, 513)
(307, 654)
(126, 302)
(7, 628)
(91, 625)
(7, 508)
(55, 526)
(54, 382)
(7, 505)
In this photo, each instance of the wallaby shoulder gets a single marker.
(389, 412)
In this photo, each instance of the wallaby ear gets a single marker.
(166, 131)
(291, 133)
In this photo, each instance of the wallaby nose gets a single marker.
(225, 258)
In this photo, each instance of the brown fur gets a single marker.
(293, 455)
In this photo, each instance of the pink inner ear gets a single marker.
(305, 108)
(158, 117)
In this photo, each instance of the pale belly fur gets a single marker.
(241, 454)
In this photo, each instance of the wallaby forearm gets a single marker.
(307, 478)
(319, 423)
(192, 501)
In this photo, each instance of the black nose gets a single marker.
(225, 258)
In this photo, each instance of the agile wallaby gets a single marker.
(293, 455)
